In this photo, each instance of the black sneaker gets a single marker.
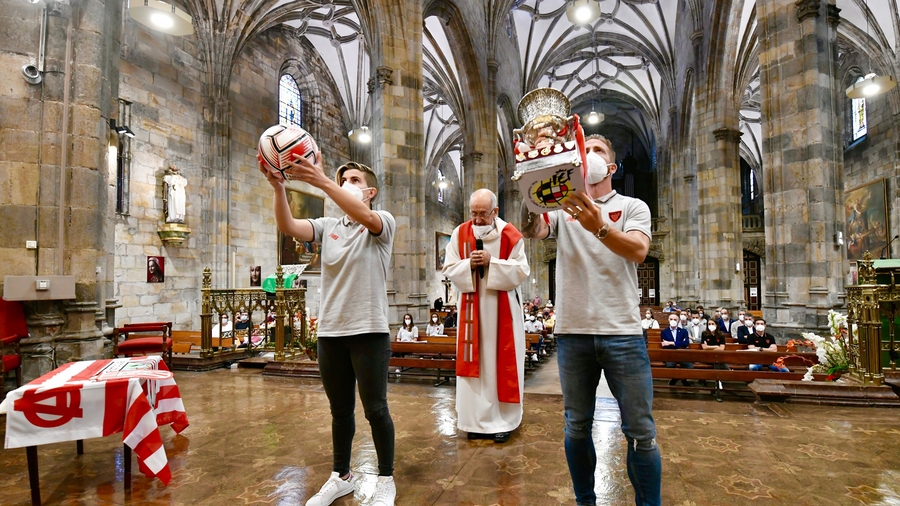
(501, 437)
(686, 383)
(672, 382)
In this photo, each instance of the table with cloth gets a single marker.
(96, 398)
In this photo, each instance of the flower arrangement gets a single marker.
(832, 351)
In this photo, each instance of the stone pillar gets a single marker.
(802, 160)
(64, 210)
(398, 152)
(719, 209)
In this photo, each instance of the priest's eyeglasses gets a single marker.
(481, 214)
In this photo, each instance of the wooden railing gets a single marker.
(287, 304)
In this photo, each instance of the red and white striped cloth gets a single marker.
(66, 405)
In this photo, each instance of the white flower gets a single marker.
(809, 374)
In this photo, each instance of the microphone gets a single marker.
(479, 244)
(888, 245)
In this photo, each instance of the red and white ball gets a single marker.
(279, 144)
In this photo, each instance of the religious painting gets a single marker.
(440, 249)
(293, 252)
(867, 219)
(156, 269)
(255, 275)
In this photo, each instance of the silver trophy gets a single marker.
(549, 150)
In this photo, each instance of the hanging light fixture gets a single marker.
(872, 85)
(360, 135)
(595, 117)
(583, 12)
(161, 17)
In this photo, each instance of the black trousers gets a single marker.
(345, 362)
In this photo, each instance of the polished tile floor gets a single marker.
(264, 440)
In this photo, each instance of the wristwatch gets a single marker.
(603, 232)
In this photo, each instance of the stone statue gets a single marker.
(174, 197)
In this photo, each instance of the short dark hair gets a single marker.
(760, 319)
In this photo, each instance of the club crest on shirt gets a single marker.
(615, 215)
(333, 236)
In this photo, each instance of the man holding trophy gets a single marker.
(601, 237)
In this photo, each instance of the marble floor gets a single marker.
(265, 440)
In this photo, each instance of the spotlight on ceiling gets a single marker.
(583, 12)
(360, 135)
(595, 117)
(871, 86)
(161, 17)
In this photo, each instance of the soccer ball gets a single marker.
(278, 144)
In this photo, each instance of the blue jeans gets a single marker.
(582, 359)
(773, 367)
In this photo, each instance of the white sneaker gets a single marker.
(332, 489)
(385, 492)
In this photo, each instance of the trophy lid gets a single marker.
(543, 102)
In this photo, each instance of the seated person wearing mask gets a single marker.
(434, 328)
(648, 323)
(450, 320)
(408, 332)
(763, 341)
(695, 328)
(714, 339)
(676, 337)
(744, 331)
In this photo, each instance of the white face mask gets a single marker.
(434, 319)
(760, 328)
(673, 323)
(354, 190)
(598, 168)
(696, 321)
(748, 323)
(407, 321)
(482, 230)
(647, 316)
(683, 317)
(740, 317)
(712, 328)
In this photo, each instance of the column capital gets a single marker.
(688, 178)
(728, 134)
(832, 14)
(473, 157)
(697, 37)
(382, 77)
(493, 65)
(807, 8)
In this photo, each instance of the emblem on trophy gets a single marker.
(550, 159)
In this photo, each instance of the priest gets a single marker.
(485, 260)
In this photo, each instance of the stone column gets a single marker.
(802, 160)
(60, 123)
(399, 149)
(719, 208)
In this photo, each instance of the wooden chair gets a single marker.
(10, 362)
(144, 338)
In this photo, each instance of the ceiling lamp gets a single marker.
(442, 182)
(871, 86)
(583, 12)
(595, 117)
(360, 135)
(161, 17)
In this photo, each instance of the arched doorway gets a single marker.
(648, 281)
(752, 289)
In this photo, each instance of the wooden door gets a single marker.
(752, 288)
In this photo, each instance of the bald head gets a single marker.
(483, 206)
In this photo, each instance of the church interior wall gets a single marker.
(163, 78)
(876, 157)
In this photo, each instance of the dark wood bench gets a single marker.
(427, 356)
(186, 339)
(739, 361)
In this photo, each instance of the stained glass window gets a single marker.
(858, 110)
(289, 102)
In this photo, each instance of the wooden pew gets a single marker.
(191, 338)
(736, 359)
(417, 355)
(437, 339)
